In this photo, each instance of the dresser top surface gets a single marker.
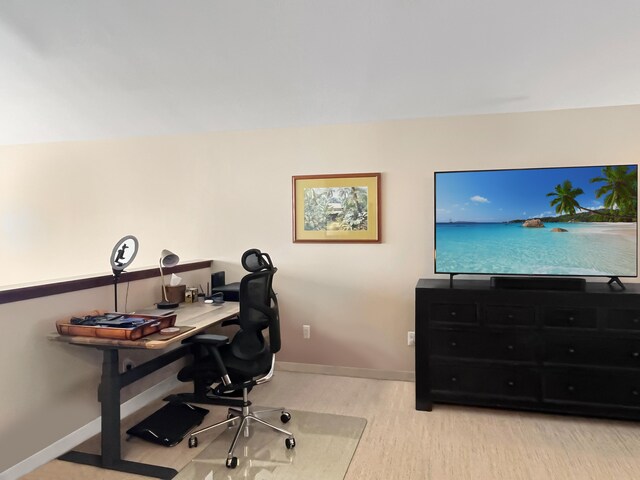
(596, 286)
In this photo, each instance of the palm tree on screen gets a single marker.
(620, 190)
(565, 198)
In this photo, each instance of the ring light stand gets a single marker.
(121, 257)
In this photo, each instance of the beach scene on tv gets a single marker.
(554, 221)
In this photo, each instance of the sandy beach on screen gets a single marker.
(625, 229)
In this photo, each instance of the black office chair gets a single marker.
(249, 358)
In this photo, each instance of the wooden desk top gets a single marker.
(192, 318)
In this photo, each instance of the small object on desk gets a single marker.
(216, 299)
(114, 326)
(175, 296)
(169, 331)
(122, 321)
(211, 302)
(95, 319)
(191, 295)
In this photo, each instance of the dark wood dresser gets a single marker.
(571, 352)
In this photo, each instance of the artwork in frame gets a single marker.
(343, 208)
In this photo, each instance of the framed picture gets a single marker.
(341, 208)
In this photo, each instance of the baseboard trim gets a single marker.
(84, 433)
(346, 371)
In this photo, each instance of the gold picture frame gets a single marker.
(342, 208)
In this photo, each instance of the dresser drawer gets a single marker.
(621, 319)
(570, 317)
(485, 381)
(486, 345)
(613, 352)
(454, 312)
(510, 315)
(592, 387)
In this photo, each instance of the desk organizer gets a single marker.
(152, 325)
(175, 294)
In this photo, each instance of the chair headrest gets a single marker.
(253, 260)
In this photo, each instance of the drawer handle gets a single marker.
(510, 316)
(454, 344)
(510, 347)
(453, 314)
(454, 379)
(571, 350)
(636, 320)
(511, 383)
(571, 388)
(635, 393)
(571, 318)
(635, 354)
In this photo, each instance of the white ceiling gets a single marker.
(89, 69)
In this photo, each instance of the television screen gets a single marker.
(579, 221)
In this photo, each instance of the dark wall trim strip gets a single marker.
(36, 291)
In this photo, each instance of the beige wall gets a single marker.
(215, 195)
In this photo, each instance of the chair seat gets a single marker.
(240, 371)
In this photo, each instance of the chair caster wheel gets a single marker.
(232, 462)
(193, 442)
(232, 423)
(285, 417)
(289, 443)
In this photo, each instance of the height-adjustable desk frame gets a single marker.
(194, 318)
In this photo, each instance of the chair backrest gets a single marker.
(258, 308)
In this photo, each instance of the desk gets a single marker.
(192, 319)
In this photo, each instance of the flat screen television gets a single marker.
(568, 221)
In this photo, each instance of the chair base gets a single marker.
(245, 415)
(204, 399)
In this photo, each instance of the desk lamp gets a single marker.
(167, 259)
(122, 255)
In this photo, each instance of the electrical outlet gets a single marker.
(411, 338)
(306, 331)
(127, 364)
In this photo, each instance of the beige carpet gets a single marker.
(324, 447)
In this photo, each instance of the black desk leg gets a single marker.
(111, 459)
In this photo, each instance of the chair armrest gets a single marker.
(211, 342)
(209, 339)
(231, 321)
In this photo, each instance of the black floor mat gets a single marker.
(169, 425)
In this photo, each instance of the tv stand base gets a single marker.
(616, 280)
